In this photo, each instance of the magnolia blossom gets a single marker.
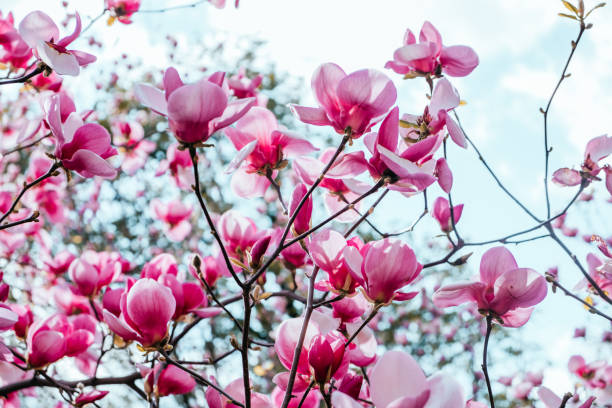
(123, 9)
(215, 399)
(57, 336)
(429, 56)
(410, 170)
(146, 308)
(194, 111)
(239, 233)
(349, 103)
(263, 147)
(179, 163)
(397, 381)
(171, 381)
(136, 149)
(14, 49)
(436, 117)
(326, 248)
(80, 147)
(175, 216)
(40, 32)
(504, 289)
(596, 150)
(92, 271)
(382, 268)
(442, 213)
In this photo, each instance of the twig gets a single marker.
(19, 148)
(298, 347)
(277, 189)
(414, 223)
(182, 6)
(365, 215)
(547, 150)
(589, 307)
(364, 324)
(484, 359)
(211, 224)
(23, 78)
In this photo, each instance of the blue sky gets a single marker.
(522, 47)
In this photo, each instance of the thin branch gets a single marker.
(589, 307)
(414, 223)
(25, 188)
(484, 359)
(548, 149)
(23, 78)
(244, 349)
(364, 324)
(19, 148)
(365, 215)
(277, 189)
(450, 204)
(497, 180)
(298, 348)
(182, 6)
(211, 224)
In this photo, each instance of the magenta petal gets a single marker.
(90, 136)
(37, 27)
(458, 60)
(599, 148)
(412, 52)
(151, 97)
(445, 392)
(445, 176)
(389, 130)
(324, 84)
(46, 347)
(494, 263)
(61, 62)
(172, 81)
(312, 116)
(89, 164)
(78, 342)
(518, 288)
(234, 111)
(567, 177)
(396, 375)
(341, 400)
(445, 97)
(195, 105)
(64, 42)
(326, 249)
(455, 132)
(83, 58)
(208, 312)
(458, 293)
(119, 327)
(368, 89)
(517, 317)
(7, 318)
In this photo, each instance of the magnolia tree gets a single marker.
(131, 273)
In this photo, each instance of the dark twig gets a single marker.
(484, 359)
(414, 223)
(548, 149)
(365, 215)
(588, 306)
(22, 79)
(211, 224)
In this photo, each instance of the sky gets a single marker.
(522, 46)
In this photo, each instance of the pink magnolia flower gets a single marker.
(436, 116)
(59, 264)
(179, 163)
(171, 381)
(212, 268)
(239, 233)
(322, 356)
(243, 87)
(40, 32)
(410, 170)
(353, 102)
(175, 216)
(442, 214)
(382, 268)
(146, 308)
(92, 271)
(188, 296)
(596, 150)
(194, 111)
(14, 49)
(42, 82)
(262, 147)
(504, 289)
(397, 381)
(326, 248)
(429, 56)
(302, 219)
(57, 336)
(132, 143)
(81, 147)
(123, 9)
(25, 317)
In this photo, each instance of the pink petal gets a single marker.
(89, 164)
(394, 376)
(37, 27)
(326, 249)
(599, 148)
(494, 263)
(458, 293)
(458, 60)
(324, 84)
(567, 177)
(445, 97)
(152, 97)
(196, 104)
(313, 116)
(517, 317)
(234, 111)
(172, 81)
(64, 42)
(61, 62)
(445, 176)
(367, 88)
(248, 185)
(445, 392)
